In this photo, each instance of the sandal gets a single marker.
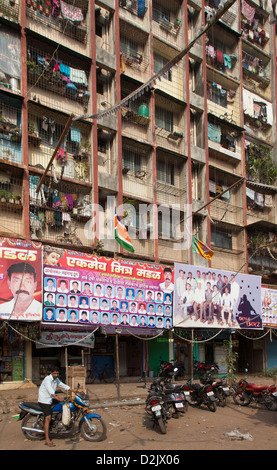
(50, 444)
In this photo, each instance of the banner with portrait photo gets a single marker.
(213, 298)
(82, 289)
(269, 307)
(20, 280)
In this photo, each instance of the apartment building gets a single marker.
(205, 127)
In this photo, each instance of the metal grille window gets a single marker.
(221, 238)
(132, 161)
(165, 172)
(160, 12)
(159, 63)
(164, 119)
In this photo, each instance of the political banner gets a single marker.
(83, 289)
(269, 307)
(205, 298)
(20, 280)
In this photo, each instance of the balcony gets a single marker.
(59, 212)
(255, 69)
(10, 9)
(73, 158)
(167, 23)
(69, 84)
(62, 20)
(11, 202)
(10, 133)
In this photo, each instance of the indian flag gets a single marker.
(201, 249)
(121, 234)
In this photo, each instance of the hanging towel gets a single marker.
(268, 201)
(69, 12)
(250, 193)
(248, 11)
(65, 70)
(75, 134)
(214, 132)
(259, 199)
(219, 57)
(78, 76)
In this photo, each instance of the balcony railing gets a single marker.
(69, 21)
(59, 77)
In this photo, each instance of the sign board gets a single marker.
(82, 289)
(269, 307)
(205, 298)
(20, 280)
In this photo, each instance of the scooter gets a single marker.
(91, 426)
(246, 392)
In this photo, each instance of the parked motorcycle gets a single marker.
(201, 368)
(197, 394)
(164, 401)
(91, 426)
(220, 389)
(167, 369)
(246, 392)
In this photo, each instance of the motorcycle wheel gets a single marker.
(97, 433)
(211, 406)
(30, 421)
(162, 425)
(222, 400)
(271, 404)
(241, 398)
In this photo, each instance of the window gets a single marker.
(160, 12)
(159, 63)
(164, 119)
(132, 161)
(217, 94)
(221, 238)
(165, 172)
(128, 47)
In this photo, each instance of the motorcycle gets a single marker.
(167, 369)
(165, 400)
(197, 394)
(246, 392)
(202, 368)
(91, 426)
(220, 388)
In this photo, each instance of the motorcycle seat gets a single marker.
(32, 404)
(258, 388)
(171, 387)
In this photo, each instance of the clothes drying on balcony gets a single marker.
(70, 12)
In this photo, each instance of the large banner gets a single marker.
(20, 280)
(83, 289)
(216, 298)
(269, 307)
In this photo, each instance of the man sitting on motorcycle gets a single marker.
(46, 394)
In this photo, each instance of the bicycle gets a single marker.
(69, 237)
(228, 117)
(106, 373)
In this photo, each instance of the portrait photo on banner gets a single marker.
(20, 280)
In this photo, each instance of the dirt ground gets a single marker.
(129, 429)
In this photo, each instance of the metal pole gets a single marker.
(61, 139)
(117, 365)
